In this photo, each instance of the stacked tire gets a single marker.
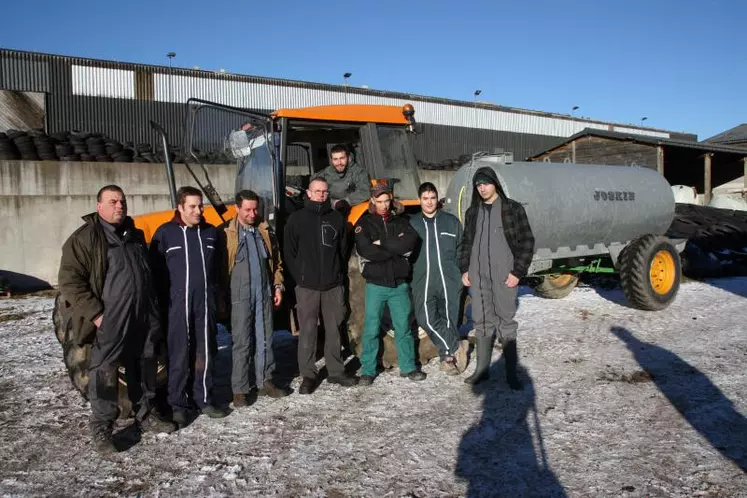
(8, 149)
(35, 145)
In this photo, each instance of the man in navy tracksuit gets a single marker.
(186, 264)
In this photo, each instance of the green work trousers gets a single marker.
(398, 299)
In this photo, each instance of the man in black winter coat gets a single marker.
(384, 239)
(107, 285)
(496, 251)
(315, 245)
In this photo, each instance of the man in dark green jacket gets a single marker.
(436, 279)
(106, 283)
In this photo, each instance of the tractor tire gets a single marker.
(650, 272)
(425, 349)
(77, 358)
(556, 286)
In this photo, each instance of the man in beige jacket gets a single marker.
(254, 277)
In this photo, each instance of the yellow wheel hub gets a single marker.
(662, 272)
(560, 280)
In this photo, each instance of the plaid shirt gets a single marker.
(518, 235)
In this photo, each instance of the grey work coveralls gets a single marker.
(129, 331)
(251, 314)
(491, 260)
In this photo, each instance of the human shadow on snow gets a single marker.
(503, 454)
(693, 394)
(735, 285)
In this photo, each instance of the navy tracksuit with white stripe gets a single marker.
(436, 279)
(185, 264)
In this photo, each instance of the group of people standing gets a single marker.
(123, 296)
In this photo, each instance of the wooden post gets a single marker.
(660, 159)
(707, 179)
(573, 152)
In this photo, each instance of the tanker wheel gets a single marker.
(556, 286)
(650, 272)
(426, 350)
(77, 358)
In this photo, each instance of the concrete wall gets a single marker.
(42, 202)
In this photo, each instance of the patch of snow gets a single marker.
(617, 401)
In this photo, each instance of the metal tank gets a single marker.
(574, 210)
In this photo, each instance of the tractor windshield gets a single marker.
(254, 151)
(399, 163)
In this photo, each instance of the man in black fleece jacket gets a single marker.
(314, 250)
(384, 239)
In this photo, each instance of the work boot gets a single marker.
(415, 375)
(102, 437)
(484, 352)
(449, 366)
(343, 380)
(366, 380)
(273, 391)
(180, 418)
(240, 400)
(307, 386)
(462, 356)
(213, 412)
(155, 424)
(511, 355)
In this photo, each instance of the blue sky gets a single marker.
(683, 64)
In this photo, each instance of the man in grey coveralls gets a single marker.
(497, 249)
(254, 273)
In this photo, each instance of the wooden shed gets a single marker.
(698, 164)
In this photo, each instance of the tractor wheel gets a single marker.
(426, 350)
(77, 358)
(556, 286)
(650, 272)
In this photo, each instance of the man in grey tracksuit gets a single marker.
(497, 249)
(436, 279)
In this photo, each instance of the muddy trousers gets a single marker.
(398, 300)
(437, 315)
(251, 332)
(191, 347)
(122, 342)
(332, 306)
(493, 311)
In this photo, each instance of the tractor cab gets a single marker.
(277, 154)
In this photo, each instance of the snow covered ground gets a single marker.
(618, 402)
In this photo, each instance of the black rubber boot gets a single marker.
(512, 358)
(484, 352)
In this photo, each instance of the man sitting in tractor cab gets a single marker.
(348, 182)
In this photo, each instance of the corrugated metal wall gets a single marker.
(119, 99)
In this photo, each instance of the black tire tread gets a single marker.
(634, 264)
